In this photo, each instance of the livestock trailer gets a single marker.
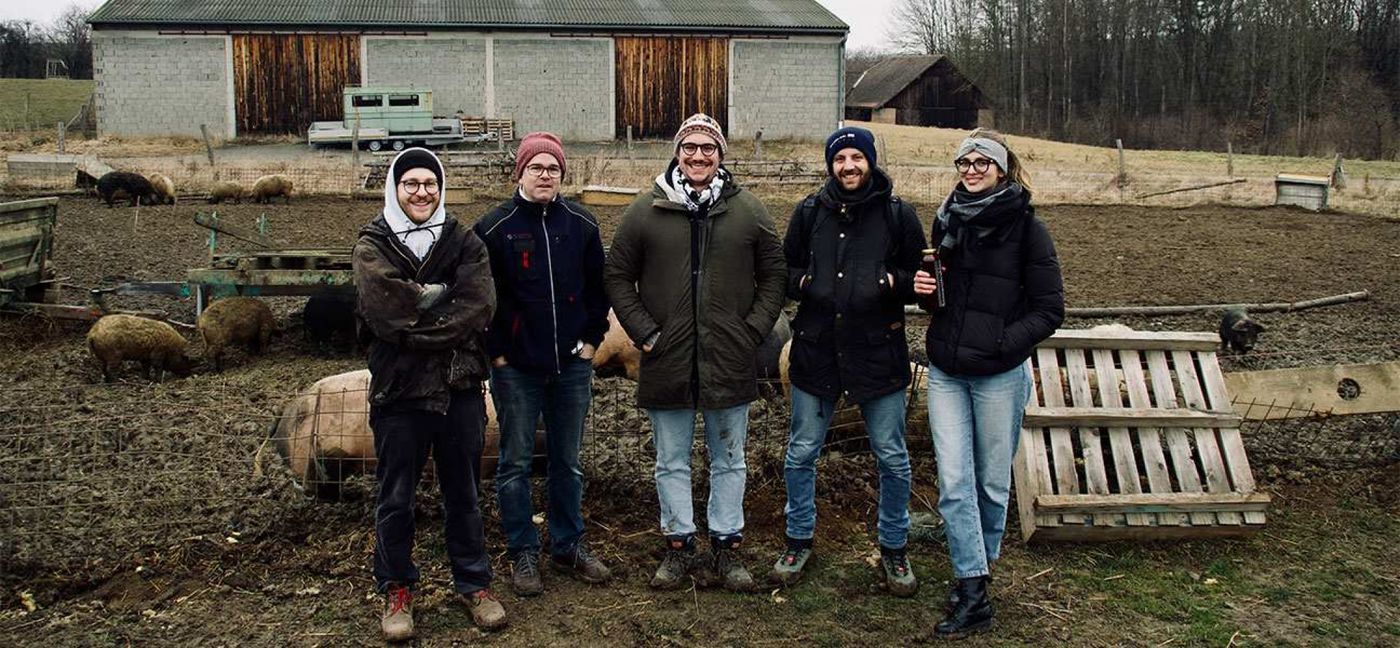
(393, 117)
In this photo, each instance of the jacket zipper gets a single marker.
(553, 309)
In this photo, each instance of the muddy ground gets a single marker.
(134, 513)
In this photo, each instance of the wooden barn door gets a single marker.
(283, 82)
(661, 80)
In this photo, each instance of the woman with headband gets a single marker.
(1001, 296)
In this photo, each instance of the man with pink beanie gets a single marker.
(551, 314)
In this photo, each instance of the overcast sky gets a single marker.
(867, 18)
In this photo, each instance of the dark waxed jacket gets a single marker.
(848, 336)
(416, 359)
(1004, 295)
(547, 262)
(710, 322)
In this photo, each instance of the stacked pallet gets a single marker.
(475, 126)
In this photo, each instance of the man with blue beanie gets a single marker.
(852, 249)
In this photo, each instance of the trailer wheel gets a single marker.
(398, 145)
(376, 145)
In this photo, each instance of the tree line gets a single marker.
(1289, 77)
(27, 47)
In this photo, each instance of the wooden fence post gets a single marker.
(1229, 159)
(1339, 175)
(758, 145)
(1122, 166)
(208, 148)
(62, 133)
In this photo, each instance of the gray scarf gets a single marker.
(964, 214)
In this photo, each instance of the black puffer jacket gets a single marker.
(848, 336)
(1004, 295)
(418, 358)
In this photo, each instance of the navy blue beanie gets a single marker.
(850, 137)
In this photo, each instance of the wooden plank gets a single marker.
(1282, 393)
(220, 277)
(1231, 444)
(1156, 502)
(1061, 446)
(1084, 533)
(1127, 417)
(1149, 437)
(1090, 442)
(1178, 445)
(1036, 467)
(1207, 445)
(1138, 340)
(1121, 445)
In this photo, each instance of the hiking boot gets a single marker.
(972, 614)
(583, 565)
(729, 566)
(788, 569)
(899, 574)
(525, 574)
(487, 611)
(955, 594)
(397, 622)
(676, 564)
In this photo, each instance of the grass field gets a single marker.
(41, 103)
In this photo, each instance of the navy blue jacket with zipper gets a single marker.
(547, 262)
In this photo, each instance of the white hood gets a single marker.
(417, 238)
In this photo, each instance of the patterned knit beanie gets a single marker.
(703, 124)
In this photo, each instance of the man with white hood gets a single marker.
(425, 293)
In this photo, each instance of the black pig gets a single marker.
(133, 185)
(1238, 332)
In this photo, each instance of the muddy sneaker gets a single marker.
(788, 569)
(729, 567)
(583, 565)
(675, 565)
(525, 574)
(397, 622)
(899, 574)
(486, 609)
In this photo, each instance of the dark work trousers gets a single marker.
(402, 440)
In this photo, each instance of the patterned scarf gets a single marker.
(679, 191)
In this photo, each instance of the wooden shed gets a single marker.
(918, 91)
(1308, 192)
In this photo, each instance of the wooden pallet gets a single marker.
(503, 128)
(1131, 435)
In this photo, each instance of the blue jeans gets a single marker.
(976, 424)
(521, 397)
(884, 423)
(725, 431)
(402, 441)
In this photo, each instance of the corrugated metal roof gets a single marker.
(888, 78)
(777, 16)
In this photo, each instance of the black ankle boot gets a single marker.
(955, 593)
(972, 613)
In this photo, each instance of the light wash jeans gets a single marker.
(521, 397)
(725, 431)
(976, 424)
(884, 422)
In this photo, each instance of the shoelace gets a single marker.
(398, 599)
(527, 563)
(900, 564)
(484, 594)
(582, 555)
(790, 556)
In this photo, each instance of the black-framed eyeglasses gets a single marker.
(540, 170)
(689, 148)
(412, 186)
(979, 165)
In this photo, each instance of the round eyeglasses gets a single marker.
(412, 186)
(689, 148)
(540, 170)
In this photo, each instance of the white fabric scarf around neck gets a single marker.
(677, 188)
(418, 238)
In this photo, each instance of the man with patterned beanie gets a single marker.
(695, 274)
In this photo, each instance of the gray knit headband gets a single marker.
(987, 147)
